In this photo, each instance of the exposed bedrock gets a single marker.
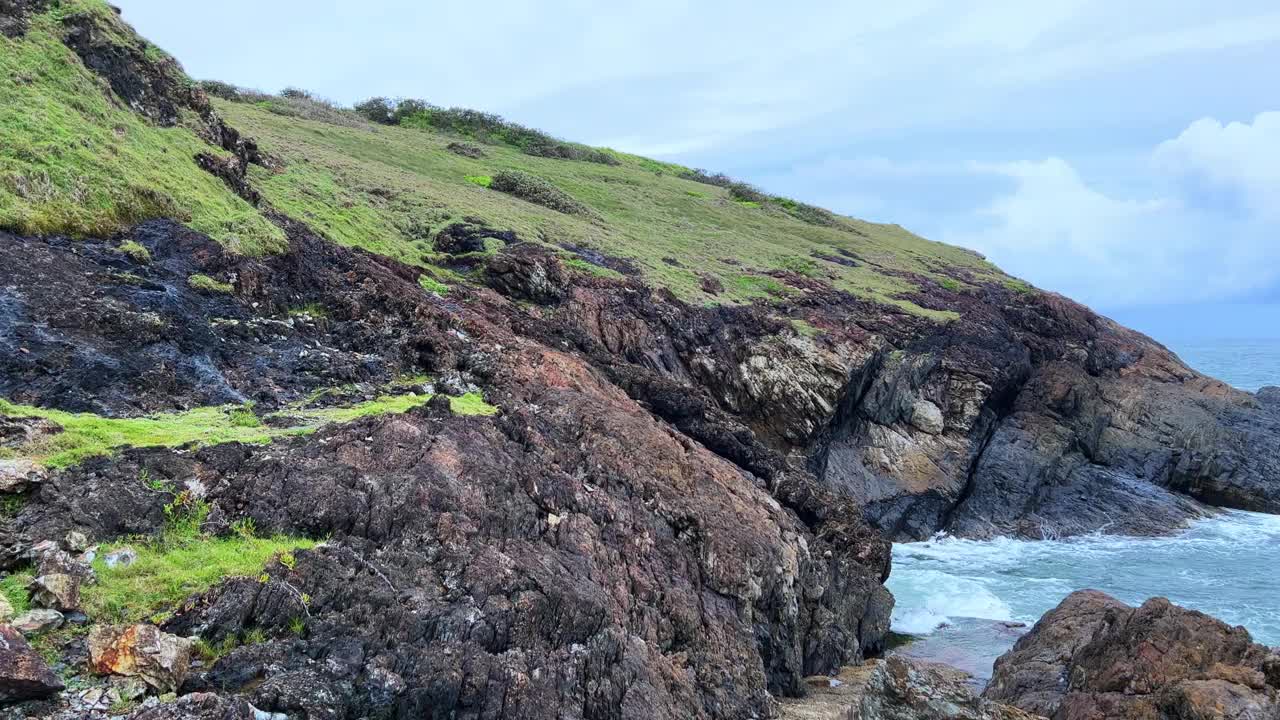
(1095, 657)
(573, 557)
(1028, 415)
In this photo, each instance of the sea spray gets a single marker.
(1224, 566)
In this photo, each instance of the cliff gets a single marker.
(451, 419)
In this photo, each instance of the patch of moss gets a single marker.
(430, 284)
(14, 589)
(85, 435)
(206, 284)
(483, 181)
(135, 251)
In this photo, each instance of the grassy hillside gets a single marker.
(388, 188)
(74, 159)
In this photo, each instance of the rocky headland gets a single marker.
(495, 474)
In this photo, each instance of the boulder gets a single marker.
(202, 706)
(926, 417)
(897, 688)
(6, 609)
(17, 475)
(1095, 657)
(144, 651)
(34, 622)
(23, 673)
(58, 591)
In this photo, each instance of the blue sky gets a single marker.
(1125, 154)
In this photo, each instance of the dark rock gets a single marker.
(897, 689)
(528, 272)
(1093, 656)
(15, 15)
(23, 673)
(466, 237)
(200, 706)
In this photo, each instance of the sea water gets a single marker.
(1227, 566)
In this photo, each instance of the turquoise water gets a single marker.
(1227, 566)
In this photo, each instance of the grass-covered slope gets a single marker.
(387, 189)
(75, 159)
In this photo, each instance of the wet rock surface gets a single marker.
(897, 689)
(1095, 657)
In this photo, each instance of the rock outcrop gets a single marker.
(1095, 657)
(23, 673)
(897, 689)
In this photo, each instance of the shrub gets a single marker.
(293, 93)
(220, 89)
(538, 191)
(465, 150)
(378, 110)
(482, 126)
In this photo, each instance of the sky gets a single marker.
(1124, 154)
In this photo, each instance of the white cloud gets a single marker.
(1061, 233)
(1241, 156)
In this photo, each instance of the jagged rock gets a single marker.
(202, 706)
(23, 673)
(17, 475)
(527, 272)
(1093, 656)
(926, 417)
(34, 622)
(75, 542)
(461, 238)
(897, 689)
(122, 557)
(160, 659)
(58, 591)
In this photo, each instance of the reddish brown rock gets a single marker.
(160, 659)
(23, 673)
(1095, 657)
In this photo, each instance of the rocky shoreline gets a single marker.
(551, 493)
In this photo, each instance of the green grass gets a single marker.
(206, 284)
(178, 564)
(75, 161)
(135, 251)
(367, 187)
(86, 435)
(14, 588)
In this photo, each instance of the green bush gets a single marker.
(534, 189)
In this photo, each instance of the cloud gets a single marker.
(1059, 231)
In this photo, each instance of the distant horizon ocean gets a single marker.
(1244, 364)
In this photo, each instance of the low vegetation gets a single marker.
(74, 161)
(86, 435)
(387, 175)
(537, 191)
(208, 285)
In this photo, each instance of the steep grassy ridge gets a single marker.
(387, 189)
(77, 161)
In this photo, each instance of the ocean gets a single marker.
(1225, 566)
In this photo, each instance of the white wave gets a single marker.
(929, 599)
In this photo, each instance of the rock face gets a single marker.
(23, 673)
(573, 557)
(1095, 657)
(160, 659)
(897, 689)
